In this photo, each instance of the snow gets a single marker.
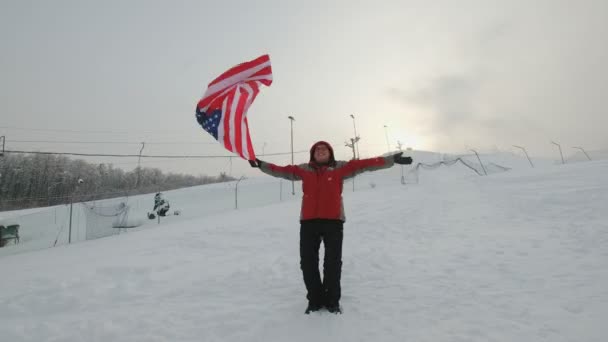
(514, 256)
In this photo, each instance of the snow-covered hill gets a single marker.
(514, 256)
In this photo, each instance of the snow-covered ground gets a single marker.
(514, 256)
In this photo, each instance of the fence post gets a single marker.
(70, 230)
(236, 193)
(580, 148)
(483, 167)
(560, 151)
(80, 181)
(526, 154)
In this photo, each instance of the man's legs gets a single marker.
(332, 264)
(310, 240)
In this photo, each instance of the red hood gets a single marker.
(332, 160)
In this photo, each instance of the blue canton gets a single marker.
(209, 122)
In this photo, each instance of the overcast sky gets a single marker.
(442, 75)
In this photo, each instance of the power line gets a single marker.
(86, 131)
(142, 156)
(111, 142)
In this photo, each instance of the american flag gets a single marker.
(223, 109)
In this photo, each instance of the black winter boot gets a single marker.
(312, 307)
(334, 308)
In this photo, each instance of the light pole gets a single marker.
(353, 141)
(402, 175)
(388, 146)
(580, 148)
(560, 151)
(293, 187)
(356, 138)
(525, 153)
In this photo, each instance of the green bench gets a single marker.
(9, 232)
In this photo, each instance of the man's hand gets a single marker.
(399, 159)
(255, 163)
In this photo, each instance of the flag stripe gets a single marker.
(249, 144)
(265, 72)
(213, 101)
(220, 129)
(243, 67)
(231, 119)
(253, 90)
(238, 118)
(226, 115)
(224, 83)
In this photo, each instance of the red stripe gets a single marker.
(240, 68)
(265, 82)
(213, 98)
(249, 144)
(256, 89)
(227, 143)
(267, 71)
(238, 119)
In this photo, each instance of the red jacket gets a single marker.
(322, 184)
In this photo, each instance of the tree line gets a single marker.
(34, 180)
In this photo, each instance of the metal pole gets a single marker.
(402, 175)
(388, 146)
(580, 148)
(3, 138)
(526, 153)
(356, 140)
(352, 146)
(78, 182)
(143, 144)
(293, 187)
(353, 142)
(236, 193)
(560, 151)
(70, 230)
(483, 167)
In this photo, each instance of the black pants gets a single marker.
(312, 232)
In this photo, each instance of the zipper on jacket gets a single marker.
(318, 193)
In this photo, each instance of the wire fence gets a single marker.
(83, 219)
(103, 214)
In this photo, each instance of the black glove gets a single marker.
(399, 159)
(255, 163)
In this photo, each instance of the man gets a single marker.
(322, 216)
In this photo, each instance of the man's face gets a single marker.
(321, 154)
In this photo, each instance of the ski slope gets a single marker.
(515, 256)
